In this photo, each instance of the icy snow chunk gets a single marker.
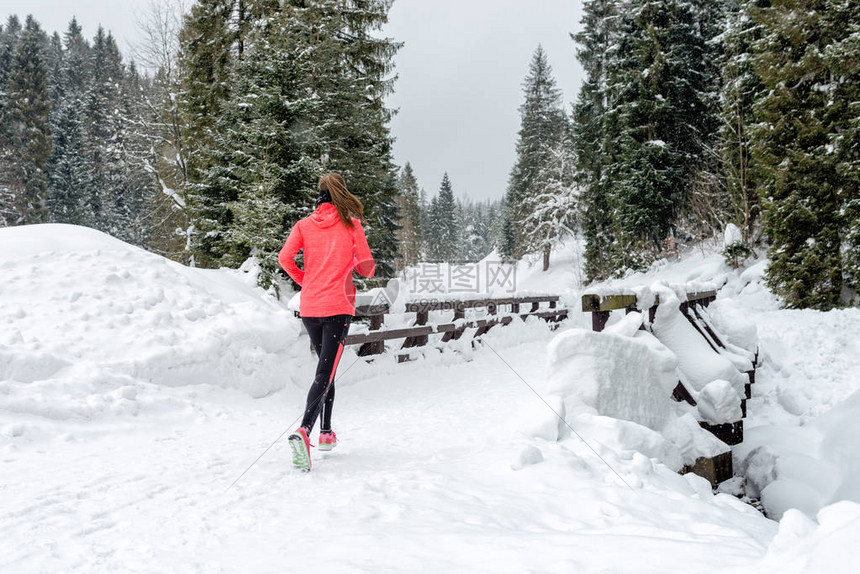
(295, 302)
(528, 456)
(627, 326)
(691, 439)
(619, 376)
(719, 403)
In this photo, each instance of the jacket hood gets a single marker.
(324, 216)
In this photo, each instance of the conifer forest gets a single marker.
(206, 143)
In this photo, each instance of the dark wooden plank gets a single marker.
(375, 336)
(431, 305)
(370, 310)
(592, 303)
(701, 296)
(729, 433)
(716, 469)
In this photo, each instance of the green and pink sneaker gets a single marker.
(301, 447)
(328, 440)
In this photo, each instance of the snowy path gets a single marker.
(421, 483)
(115, 458)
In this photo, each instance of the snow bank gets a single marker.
(826, 544)
(623, 376)
(618, 385)
(807, 467)
(90, 319)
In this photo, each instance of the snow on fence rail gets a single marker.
(417, 335)
(718, 468)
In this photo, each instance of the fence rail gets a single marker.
(717, 468)
(418, 335)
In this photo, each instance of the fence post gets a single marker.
(421, 317)
(377, 347)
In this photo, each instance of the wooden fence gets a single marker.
(417, 335)
(715, 469)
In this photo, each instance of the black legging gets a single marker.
(327, 335)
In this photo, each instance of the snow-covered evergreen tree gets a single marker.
(659, 124)
(542, 126)
(741, 88)
(804, 111)
(842, 57)
(260, 175)
(442, 224)
(475, 229)
(409, 236)
(68, 166)
(595, 44)
(27, 119)
(305, 81)
(9, 34)
(550, 208)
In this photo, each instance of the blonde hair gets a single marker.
(348, 206)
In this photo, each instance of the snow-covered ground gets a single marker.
(134, 392)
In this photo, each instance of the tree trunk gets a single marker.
(545, 257)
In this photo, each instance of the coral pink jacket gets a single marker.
(331, 252)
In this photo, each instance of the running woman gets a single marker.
(334, 244)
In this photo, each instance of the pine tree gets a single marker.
(542, 126)
(106, 182)
(596, 43)
(550, 210)
(308, 85)
(9, 35)
(741, 88)
(205, 58)
(27, 112)
(659, 125)
(54, 65)
(804, 110)
(476, 225)
(843, 61)
(350, 77)
(382, 228)
(409, 236)
(260, 175)
(446, 222)
(68, 166)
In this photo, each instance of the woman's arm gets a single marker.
(288, 253)
(364, 263)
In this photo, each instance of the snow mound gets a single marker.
(719, 403)
(624, 376)
(617, 385)
(89, 319)
(827, 544)
(807, 467)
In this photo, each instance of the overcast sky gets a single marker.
(460, 75)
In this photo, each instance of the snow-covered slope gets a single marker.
(87, 320)
(135, 391)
